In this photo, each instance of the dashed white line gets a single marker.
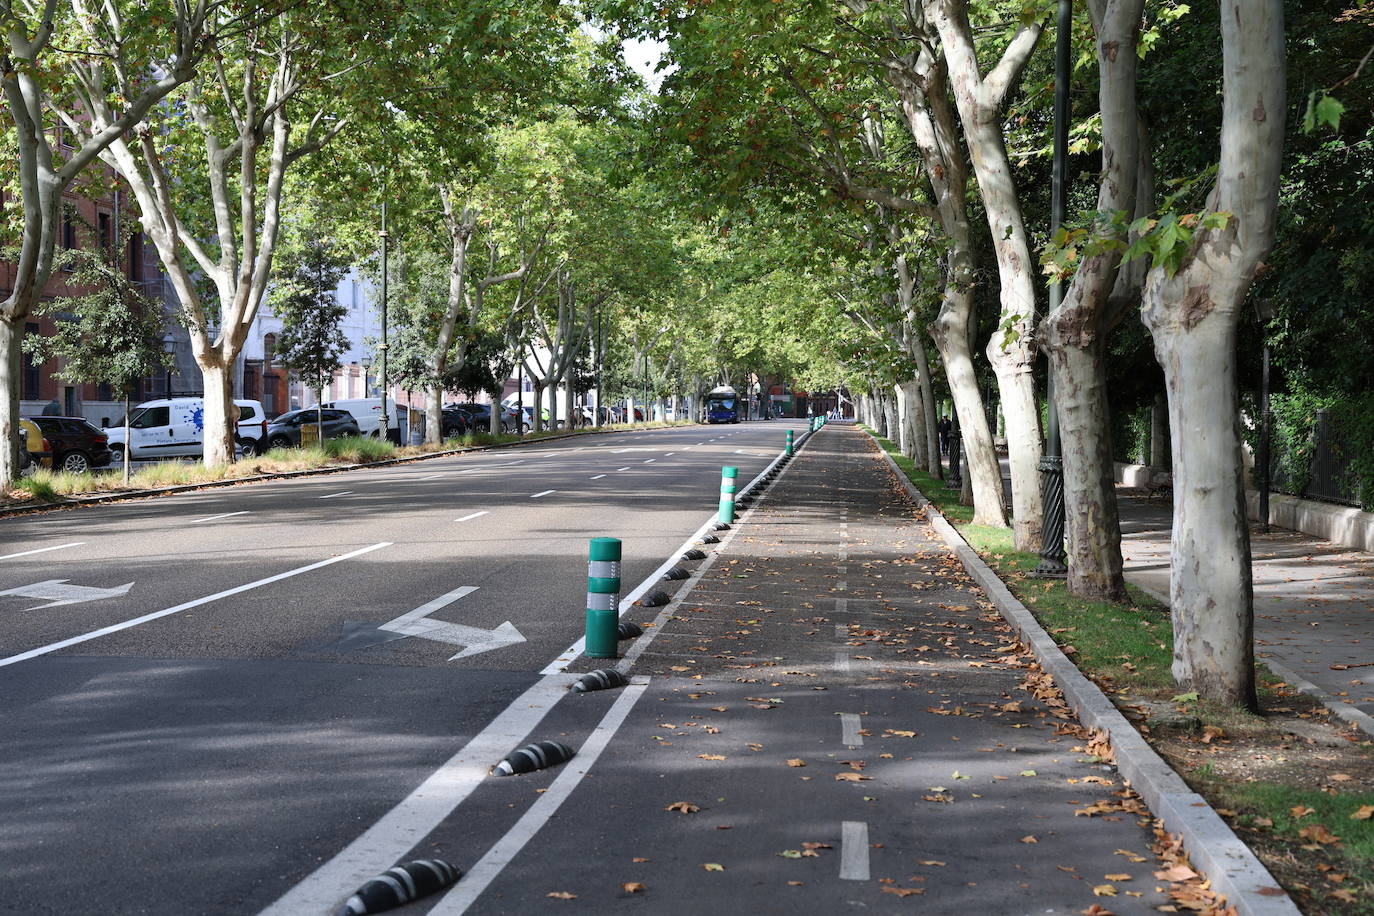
(332, 495)
(214, 518)
(25, 553)
(841, 659)
(842, 585)
(650, 460)
(598, 476)
(468, 518)
(854, 851)
(625, 468)
(542, 493)
(127, 624)
(842, 630)
(434, 476)
(849, 729)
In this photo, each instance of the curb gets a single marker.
(287, 475)
(1231, 867)
(1347, 711)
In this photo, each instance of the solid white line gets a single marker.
(480, 876)
(332, 495)
(127, 624)
(212, 518)
(325, 889)
(25, 553)
(849, 729)
(468, 518)
(598, 476)
(854, 851)
(542, 493)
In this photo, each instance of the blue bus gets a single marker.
(722, 405)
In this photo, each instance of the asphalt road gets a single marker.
(202, 739)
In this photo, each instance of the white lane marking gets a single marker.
(434, 476)
(214, 518)
(849, 729)
(325, 889)
(842, 569)
(598, 476)
(621, 451)
(854, 851)
(127, 624)
(841, 659)
(841, 605)
(842, 630)
(57, 592)
(332, 495)
(468, 518)
(480, 876)
(669, 454)
(25, 553)
(842, 585)
(542, 493)
(626, 468)
(649, 460)
(474, 640)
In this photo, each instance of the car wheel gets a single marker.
(279, 442)
(76, 462)
(452, 432)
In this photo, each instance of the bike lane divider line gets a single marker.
(854, 851)
(420, 812)
(625, 468)
(215, 518)
(542, 493)
(332, 495)
(468, 518)
(480, 876)
(851, 728)
(155, 615)
(26, 553)
(598, 476)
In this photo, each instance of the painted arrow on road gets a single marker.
(475, 640)
(57, 592)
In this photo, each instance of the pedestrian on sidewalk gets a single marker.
(943, 427)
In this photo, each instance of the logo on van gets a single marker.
(198, 418)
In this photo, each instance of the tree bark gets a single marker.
(10, 377)
(219, 416)
(902, 396)
(1011, 350)
(1193, 317)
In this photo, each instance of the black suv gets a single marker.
(74, 444)
(285, 430)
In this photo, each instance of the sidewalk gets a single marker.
(1314, 602)
(836, 720)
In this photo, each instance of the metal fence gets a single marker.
(1328, 476)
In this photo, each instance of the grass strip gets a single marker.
(1311, 823)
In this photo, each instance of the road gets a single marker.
(201, 704)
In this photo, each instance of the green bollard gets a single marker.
(789, 442)
(728, 476)
(603, 597)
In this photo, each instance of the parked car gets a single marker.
(72, 444)
(285, 430)
(368, 413)
(175, 427)
(456, 422)
(479, 416)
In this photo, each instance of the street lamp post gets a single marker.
(169, 346)
(1052, 553)
(366, 363)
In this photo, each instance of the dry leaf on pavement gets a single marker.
(632, 887)
(683, 807)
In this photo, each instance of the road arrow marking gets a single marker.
(56, 592)
(475, 640)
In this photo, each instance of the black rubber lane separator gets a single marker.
(400, 885)
(709, 539)
(628, 630)
(601, 679)
(531, 757)
(694, 554)
(655, 599)
(674, 574)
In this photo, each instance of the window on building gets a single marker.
(104, 392)
(28, 388)
(136, 256)
(106, 231)
(68, 227)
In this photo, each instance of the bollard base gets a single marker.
(601, 634)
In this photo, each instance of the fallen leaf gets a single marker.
(711, 756)
(1363, 814)
(904, 891)
(1029, 839)
(1119, 877)
(796, 762)
(1028, 773)
(791, 854)
(639, 859)
(1104, 890)
(1301, 811)
(713, 866)
(935, 862)
(850, 777)
(632, 887)
(796, 883)
(683, 807)
(561, 895)
(1176, 873)
(1318, 833)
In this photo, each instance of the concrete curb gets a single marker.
(287, 475)
(1213, 848)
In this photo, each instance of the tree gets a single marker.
(311, 343)
(111, 334)
(1202, 267)
(69, 54)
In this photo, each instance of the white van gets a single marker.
(368, 413)
(175, 427)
